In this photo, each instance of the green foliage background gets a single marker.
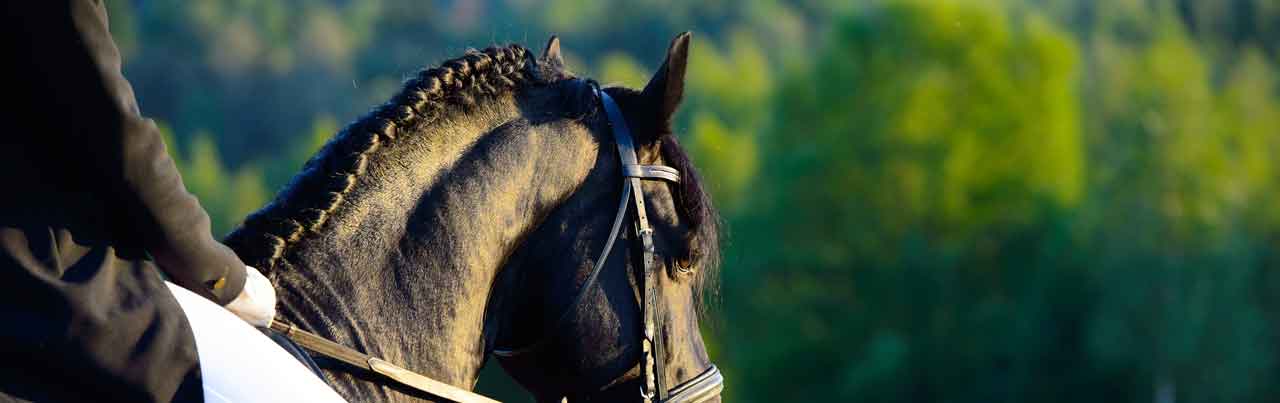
(1035, 200)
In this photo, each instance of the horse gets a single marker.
(464, 216)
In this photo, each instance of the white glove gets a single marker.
(256, 304)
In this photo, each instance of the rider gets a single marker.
(91, 206)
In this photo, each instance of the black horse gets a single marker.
(464, 215)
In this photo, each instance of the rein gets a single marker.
(703, 387)
(324, 347)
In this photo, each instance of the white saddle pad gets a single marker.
(239, 364)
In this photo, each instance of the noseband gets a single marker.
(710, 382)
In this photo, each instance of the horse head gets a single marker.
(580, 316)
(465, 213)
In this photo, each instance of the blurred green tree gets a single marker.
(1167, 223)
(906, 165)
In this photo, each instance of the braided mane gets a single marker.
(266, 236)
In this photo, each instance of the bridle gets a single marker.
(703, 387)
(710, 382)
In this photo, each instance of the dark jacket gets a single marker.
(90, 206)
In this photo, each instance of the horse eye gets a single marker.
(684, 265)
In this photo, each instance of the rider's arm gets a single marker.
(132, 160)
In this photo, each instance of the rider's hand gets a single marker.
(256, 304)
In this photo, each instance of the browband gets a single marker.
(662, 172)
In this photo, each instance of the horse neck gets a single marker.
(404, 267)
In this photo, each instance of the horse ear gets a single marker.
(666, 88)
(551, 53)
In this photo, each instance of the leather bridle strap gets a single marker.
(701, 388)
(709, 383)
(652, 368)
(632, 173)
(651, 172)
(324, 347)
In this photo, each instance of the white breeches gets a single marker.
(239, 364)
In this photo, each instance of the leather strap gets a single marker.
(653, 351)
(701, 388)
(710, 382)
(322, 346)
(662, 172)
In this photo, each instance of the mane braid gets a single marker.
(266, 236)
